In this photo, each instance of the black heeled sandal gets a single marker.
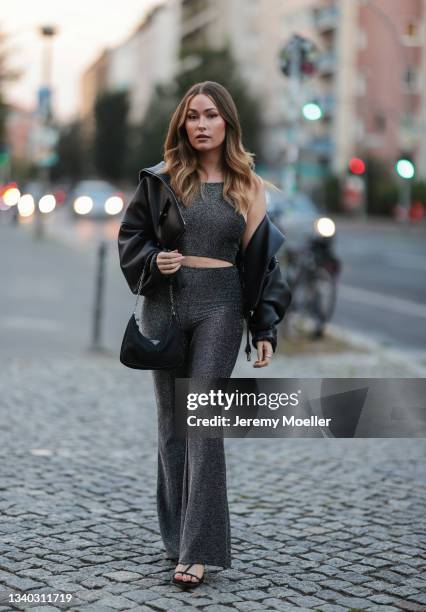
(187, 583)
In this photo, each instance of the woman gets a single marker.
(224, 269)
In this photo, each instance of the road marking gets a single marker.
(31, 323)
(409, 262)
(21, 290)
(389, 302)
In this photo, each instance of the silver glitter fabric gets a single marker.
(213, 227)
(192, 500)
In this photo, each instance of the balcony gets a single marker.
(326, 19)
(327, 62)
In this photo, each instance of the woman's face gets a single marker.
(203, 119)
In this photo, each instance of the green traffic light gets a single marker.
(405, 168)
(312, 111)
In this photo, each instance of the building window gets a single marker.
(379, 122)
(411, 33)
(410, 78)
(410, 29)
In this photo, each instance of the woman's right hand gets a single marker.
(169, 262)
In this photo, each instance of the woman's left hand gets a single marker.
(264, 347)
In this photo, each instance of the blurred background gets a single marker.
(332, 101)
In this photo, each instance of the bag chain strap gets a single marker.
(138, 296)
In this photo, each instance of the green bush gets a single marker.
(419, 192)
(332, 193)
(382, 190)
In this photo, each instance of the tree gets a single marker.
(381, 187)
(146, 141)
(331, 193)
(71, 153)
(214, 65)
(110, 140)
(6, 75)
(219, 65)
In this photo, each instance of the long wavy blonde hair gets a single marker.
(182, 163)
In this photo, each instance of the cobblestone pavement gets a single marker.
(317, 524)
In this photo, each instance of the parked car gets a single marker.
(311, 265)
(297, 216)
(96, 198)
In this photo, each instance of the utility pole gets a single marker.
(45, 133)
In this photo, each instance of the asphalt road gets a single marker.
(48, 291)
(382, 289)
(381, 294)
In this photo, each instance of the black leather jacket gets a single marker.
(153, 222)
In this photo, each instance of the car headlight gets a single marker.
(83, 205)
(11, 196)
(26, 205)
(47, 203)
(324, 226)
(113, 205)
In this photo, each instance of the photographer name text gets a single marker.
(285, 421)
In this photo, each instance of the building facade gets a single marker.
(369, 82)
(145, 58)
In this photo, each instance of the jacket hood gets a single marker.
(154, 170)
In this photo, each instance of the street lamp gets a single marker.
(45, 116)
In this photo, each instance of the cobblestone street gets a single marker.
(316, 524)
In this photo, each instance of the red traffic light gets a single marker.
(357, 165)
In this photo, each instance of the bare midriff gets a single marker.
(195, 261)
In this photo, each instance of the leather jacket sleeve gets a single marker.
(272, 306)
(138, 246)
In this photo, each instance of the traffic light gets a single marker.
(405, 167)
(356, 165)
(312, 111)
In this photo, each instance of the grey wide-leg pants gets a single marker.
(192, 498)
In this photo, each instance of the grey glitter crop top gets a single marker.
(213, 227)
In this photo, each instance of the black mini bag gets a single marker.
(142, 353)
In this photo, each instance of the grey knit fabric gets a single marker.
(213, 227)
(192, 501)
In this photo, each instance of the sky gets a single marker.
(85, 28)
